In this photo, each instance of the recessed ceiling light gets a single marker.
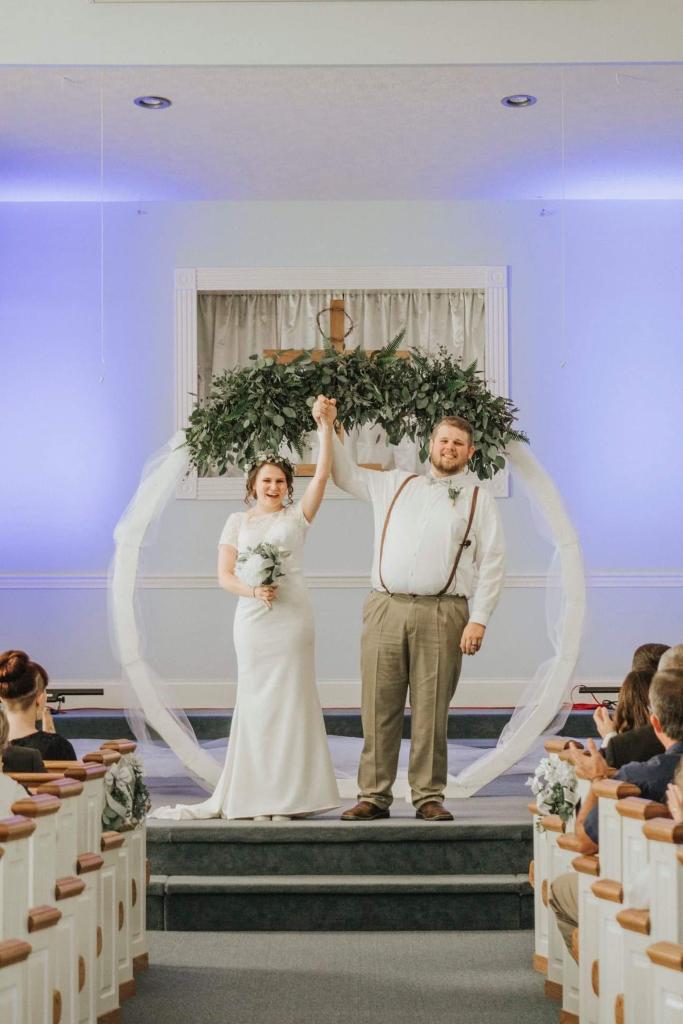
(519, 99)
(152, 102)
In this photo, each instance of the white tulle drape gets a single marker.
(544, 704)
(149, 704)
(541, 707)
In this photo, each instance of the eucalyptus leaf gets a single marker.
(267, 404)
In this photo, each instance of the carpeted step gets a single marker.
(468, 723)
(344, 902)
(324, 847)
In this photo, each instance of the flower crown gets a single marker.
(270, 457)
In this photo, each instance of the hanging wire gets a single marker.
(563, 233)
(103, 364)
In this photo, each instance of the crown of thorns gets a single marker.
(269, 457)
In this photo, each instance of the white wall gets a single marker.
(595, 318)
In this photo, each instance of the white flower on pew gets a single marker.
(126, 797)
(555, 786)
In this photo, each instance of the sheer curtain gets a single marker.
(233, 326)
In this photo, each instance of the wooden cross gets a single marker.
(336, 338)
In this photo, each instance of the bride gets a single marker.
(278, 763)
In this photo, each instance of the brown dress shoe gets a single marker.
(432, 810)
(365, 811)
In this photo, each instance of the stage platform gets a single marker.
(328, 875)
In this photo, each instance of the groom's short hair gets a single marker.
(455, 421)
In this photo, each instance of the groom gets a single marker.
(438, 569)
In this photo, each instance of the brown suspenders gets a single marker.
(386, 524)
(461, 547)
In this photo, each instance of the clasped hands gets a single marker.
(266, 593)
(324, 411)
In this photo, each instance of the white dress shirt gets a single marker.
(425, 530)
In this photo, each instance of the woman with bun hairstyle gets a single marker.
(23, 693)
(10, 791)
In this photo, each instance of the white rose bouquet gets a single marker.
(126, 797)
(261, 566)
(555, 786)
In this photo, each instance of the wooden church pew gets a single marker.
(119, 856)
(14, 954)
(569, 844)
(667, 982)
(588, 869)
(538, 878)
(558, 862)
(539, 872)
(75, 959)
(136, 843)
(76, 791)
(44, 998)
(609, 892)
(100, 865)
(633, 1004)
(665, 845)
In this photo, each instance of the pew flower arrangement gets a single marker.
(126, 797)
(555, 786)
(268, 405)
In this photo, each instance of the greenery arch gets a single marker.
(266, 405)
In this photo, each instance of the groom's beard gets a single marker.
(447, 466)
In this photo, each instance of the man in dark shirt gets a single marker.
(652, 778)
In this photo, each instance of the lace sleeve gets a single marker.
(231, 530)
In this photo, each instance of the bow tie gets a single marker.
(442, 481)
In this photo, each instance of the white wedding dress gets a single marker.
(278, 760)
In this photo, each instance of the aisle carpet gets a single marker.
(340, 978)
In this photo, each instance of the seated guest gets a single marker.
(672, 659)
(10, 791)
(22, 691)
(652, 778)
(630, 736)
(647, 657)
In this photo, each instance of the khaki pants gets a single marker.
(409, 645)
(564, 901)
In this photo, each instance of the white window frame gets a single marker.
(190, 281)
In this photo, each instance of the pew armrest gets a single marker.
(667, 954)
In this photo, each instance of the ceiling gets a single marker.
(342, 133)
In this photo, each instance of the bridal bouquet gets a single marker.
(555, 786)
(261, 566)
